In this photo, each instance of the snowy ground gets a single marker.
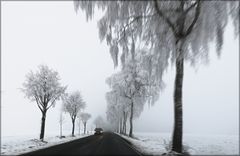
(14, 145)
(156, 143)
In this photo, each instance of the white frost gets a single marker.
(14, 145)
(154, 143)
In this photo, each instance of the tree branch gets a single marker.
(197, 13)
(48, 98)
(141, 16)
(160, 13)
(135, 18)
(38, 103)
(52, 103)
(189, 8)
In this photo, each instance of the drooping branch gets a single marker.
(135, 18)
(125, 27)
(189, 8)
(197, 13)
(165, 18)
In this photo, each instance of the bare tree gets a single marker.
(85, 117)
(72, 104)
(44, 88)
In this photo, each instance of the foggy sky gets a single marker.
(51, 33)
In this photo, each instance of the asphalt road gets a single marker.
(104, 144)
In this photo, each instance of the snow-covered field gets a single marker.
(147, 143)
(156, 143)
(14, 145)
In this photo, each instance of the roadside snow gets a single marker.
(14, 145)
(155, 143)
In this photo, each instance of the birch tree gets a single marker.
(131, 86)
(85, 117)
(180, 31)
(72, 104)
(117, 111)
(112, 112)
(44, 88)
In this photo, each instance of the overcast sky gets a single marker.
(51, 33)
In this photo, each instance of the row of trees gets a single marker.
(131, 89)
(44, 88)
(168, 31)
(73, 104)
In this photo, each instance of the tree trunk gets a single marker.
(121, 126)
(124, 130)
(61, 129)
(130, 120)
(125, 123)
(79, 127)
(84, 127)
(118, 126)
(43, 125)
(178, 113)
(73, 126)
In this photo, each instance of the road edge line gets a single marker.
(132, 147)
(43, 148)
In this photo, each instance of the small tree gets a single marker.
(85, 117)
(72, 104)
(44, 88)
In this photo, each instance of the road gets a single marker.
(104, 144)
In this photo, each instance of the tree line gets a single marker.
(162, 33)
(44, 88)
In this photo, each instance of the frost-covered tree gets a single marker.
(72, 104)
(117, 111)
(128, 87)
(112, 113)
(179, 31)
(131, 89)
(45, 89)
(85, 117)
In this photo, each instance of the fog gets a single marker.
(52, 33)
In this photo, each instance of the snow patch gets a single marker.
(156, 143)
(14, 145)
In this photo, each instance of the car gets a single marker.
(98, 131)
